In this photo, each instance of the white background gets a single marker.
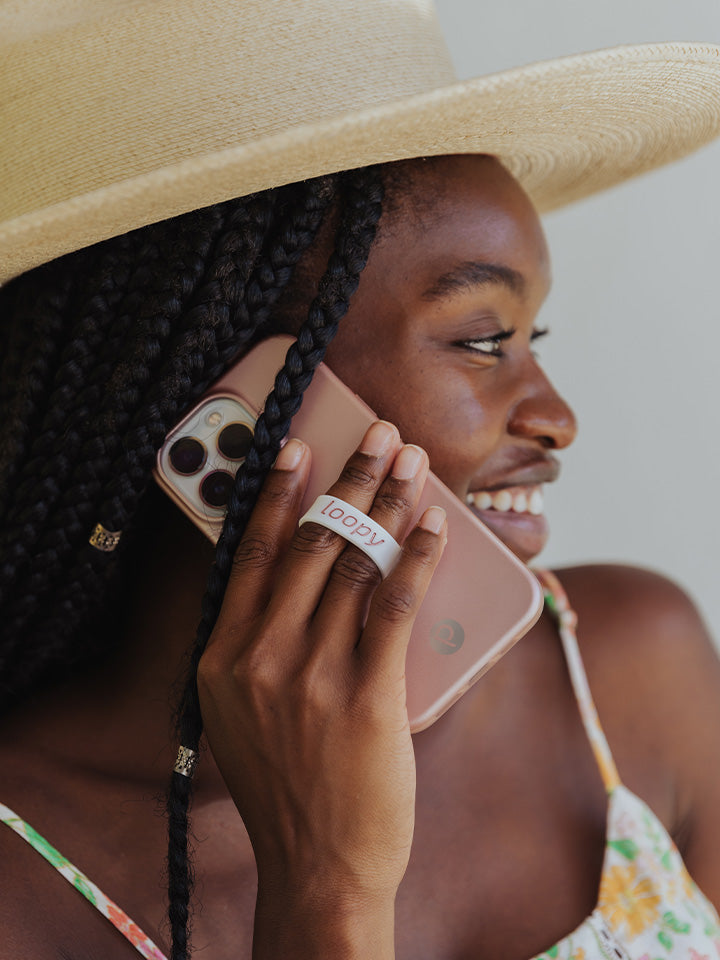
(634, 313)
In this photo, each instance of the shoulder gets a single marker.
(638, 620)
(655, 676)
(641, 629)
(634, 597)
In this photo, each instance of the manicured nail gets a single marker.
(378, 439)
(408, 462)
(290, 455)
(433, 519)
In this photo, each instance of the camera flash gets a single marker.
(214, 418)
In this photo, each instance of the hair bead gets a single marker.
(104, 540)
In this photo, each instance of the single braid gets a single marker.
(361, 199)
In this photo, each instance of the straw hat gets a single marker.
(119, 113)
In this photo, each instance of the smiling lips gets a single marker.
(527, 499)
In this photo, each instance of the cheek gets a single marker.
(453, 427)
(432, 407)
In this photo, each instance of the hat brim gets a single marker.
(565, 129)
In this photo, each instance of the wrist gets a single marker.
(312, 922)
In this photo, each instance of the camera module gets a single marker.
(216, 488)
(234, 441)
(187, 456)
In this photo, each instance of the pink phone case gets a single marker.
(481, 600)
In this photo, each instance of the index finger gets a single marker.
(269, 531)
(302, 578)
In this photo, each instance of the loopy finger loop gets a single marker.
(357, 528)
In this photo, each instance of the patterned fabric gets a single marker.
(86, 887)
(648, 907)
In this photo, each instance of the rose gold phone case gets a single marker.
(481, 600)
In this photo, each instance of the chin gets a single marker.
(523, 533)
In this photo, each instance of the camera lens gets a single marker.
(187, 455)
(216, 487)
(234, 441)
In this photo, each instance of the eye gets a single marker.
(538, 335)
(490, 346)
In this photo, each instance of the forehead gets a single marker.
(446, 211)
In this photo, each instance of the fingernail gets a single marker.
(378, 439)
(408, 462)
(433, 519)
(290, 455)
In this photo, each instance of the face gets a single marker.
(440, 339)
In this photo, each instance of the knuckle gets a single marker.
(253, 676)
(256, 664)
(255, 673)
(395, 602)
(392, 498)
(311, 690)
(212, 671)
(355, 569)
(207, 670)
(313, 539)
(360, 471)
(254, 551)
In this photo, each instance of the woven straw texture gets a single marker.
(119, 113)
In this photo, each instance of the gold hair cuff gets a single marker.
(186, 762)
(104, 540)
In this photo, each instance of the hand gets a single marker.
(304, 708)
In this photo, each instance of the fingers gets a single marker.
(396, 601)
(294, 578)
(266, 538)
(354, 575)
(303, 577)
(258, 575)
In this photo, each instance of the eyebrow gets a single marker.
(470, 274)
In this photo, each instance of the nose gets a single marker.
(541, 414)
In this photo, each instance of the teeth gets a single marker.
(535, 505)
(502, 500)
(506, 500)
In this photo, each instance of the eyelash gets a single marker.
(496, 340)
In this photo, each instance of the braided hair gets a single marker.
(103, 350)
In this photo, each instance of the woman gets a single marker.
(485, 835)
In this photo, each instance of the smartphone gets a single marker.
(481, 599)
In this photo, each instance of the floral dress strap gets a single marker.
(557, 603)
(119, 919)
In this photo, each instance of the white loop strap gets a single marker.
(357, 528)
